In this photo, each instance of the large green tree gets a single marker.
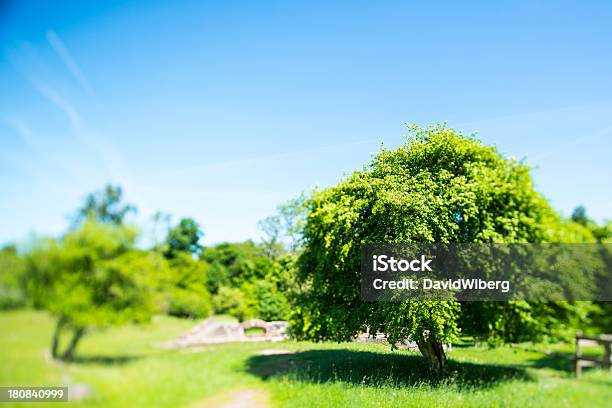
(438, 187)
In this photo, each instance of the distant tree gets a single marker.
(261, 284)
(184, 238)
(94, 277)
(579, 215)
(159, 227)
(601, 315)
(234, 302)
(283, 230)
(601, 232)
(439, 187)
(271, 303)
(186, 291)
(233, 264)
(105, 206)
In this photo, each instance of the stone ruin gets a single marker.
(211, 331)
(379, 337)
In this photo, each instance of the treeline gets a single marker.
(95, 275)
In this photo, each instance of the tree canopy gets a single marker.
(94, 277)
(184, 237)
(438, 187)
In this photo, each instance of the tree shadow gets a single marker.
(103, 360)
(376, 369)
(555, 361)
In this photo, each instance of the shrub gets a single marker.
(186, 289)
(234, 302)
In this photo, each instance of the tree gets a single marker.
(439, 187)
(186, 290)
(187, 294)
(579, 215)
(234, 302)
(271, 304)
(94, 277)
(602, 233)
(601, 316)
(283, 230)
(246, 282)
(184, 237)
(105, 206)
(233, 264)
(159, 226)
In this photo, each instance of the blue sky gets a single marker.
(223, 110)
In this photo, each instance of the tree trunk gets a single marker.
(434, 353)
(76, 336)
(56, 336)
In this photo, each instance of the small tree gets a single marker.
(93, 277)
(439, 187)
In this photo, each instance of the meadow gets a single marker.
(127, 367)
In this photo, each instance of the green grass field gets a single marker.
(126, 368)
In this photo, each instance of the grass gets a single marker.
(255, 331)
(126, 368)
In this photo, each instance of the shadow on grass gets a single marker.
(556, 361)
(376, 369)
(104, 360)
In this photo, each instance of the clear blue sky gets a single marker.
(222, 110)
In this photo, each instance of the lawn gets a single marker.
(126, 367)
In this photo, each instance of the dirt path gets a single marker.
(242, 398)
(245, 397)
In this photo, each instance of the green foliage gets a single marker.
(94, 277)
(438, 187)
(105, 206)
(184, 238)
(260, 283)
(12, 269)
(283, 230)
(234, 302)
(579, 215)
(271, 303)
(186, 289)
(601, 233)
(518, 321)
(237, 263)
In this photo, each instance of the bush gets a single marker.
(186, 291)
(234, 302)
(271, 303)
